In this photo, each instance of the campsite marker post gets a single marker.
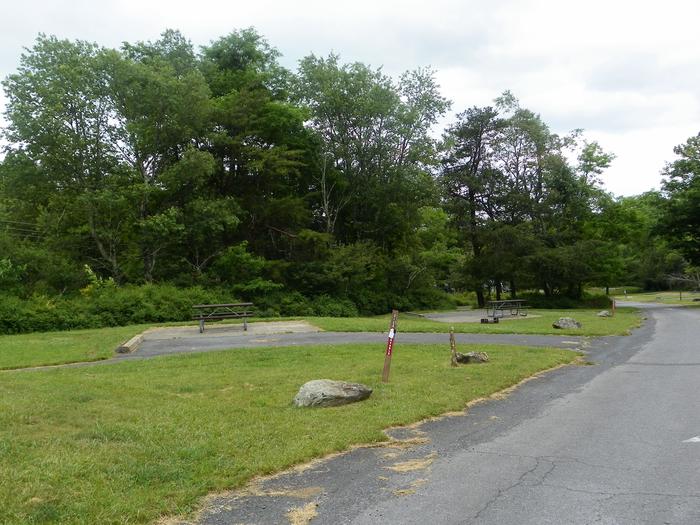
(390, 346)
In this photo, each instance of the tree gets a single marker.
(375, 146)
(470, 178)
(521, 204)
(163, 108)
(681, 188)
(258, 141)
(62, 117)
(593, 160)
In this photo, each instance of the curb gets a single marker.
(131, 345)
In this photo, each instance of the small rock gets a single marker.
(604, 313)
(328, 393)
(566, 323)
(472, 357)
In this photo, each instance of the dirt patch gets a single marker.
(228, 329)
(414, 464)
(411, 489)
(302, 515)
(256, 489)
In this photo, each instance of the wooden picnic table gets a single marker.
(496, 309)
(216, 312)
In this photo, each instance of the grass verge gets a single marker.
(537, 322)
(132, 441)
(53, 348)
(684, 298)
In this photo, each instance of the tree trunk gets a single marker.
(547, 289)
(512, 289)
(480, 297)
(149, 262)
(499, 290)
(474, 240)
(107, 253)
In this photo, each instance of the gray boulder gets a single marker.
(328, 393)
(472, 357)
(566, 323)
(604, 313)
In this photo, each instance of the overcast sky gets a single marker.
(628, 72)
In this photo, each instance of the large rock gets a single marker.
(472, 357)
(328, 393)
(604, 313)
(566, 323)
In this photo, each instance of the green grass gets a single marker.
(132, 441)
(53, 348)
(661, 297)
(537, 322)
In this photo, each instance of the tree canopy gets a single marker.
(218, 167)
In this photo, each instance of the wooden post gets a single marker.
(613, 307)
(453, 346)
(390, 345)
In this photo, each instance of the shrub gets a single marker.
(326, 306)
(561, 302)
(104, 306)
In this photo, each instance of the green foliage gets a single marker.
(561, 302)
(103, 304)
(11, 275)
(681, 212)
(307, 192)
(524, 210)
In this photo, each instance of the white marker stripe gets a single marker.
(696, 439)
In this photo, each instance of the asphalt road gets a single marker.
(607, 444)
(195, 343)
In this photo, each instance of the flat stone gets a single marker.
(566, 323)
(472, 357)
(604, 313)
(329, 393)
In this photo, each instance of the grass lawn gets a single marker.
(662, 297)
(52, 348)
(132, 441)
(537, 322)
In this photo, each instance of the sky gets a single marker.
(627, 72)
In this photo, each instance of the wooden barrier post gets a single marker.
(390, 345)
(453, 346)
(613, 307)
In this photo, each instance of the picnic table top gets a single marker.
(223, 305)
(506, 302)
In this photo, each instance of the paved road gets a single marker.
(605, 444)
(154, 345)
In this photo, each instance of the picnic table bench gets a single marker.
(497, 309)
(216, 312)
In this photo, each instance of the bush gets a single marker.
(103, 303)
(40, 314)
(561, 302)
(104, 306)
(326, 306)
